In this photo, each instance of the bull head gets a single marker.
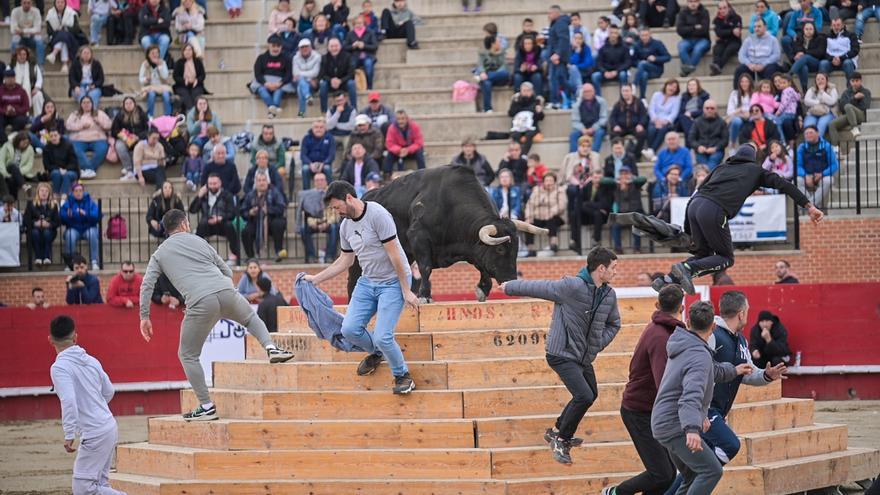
(528, 228)
(487, 236)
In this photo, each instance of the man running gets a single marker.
(718, 200)
(368, 232)
(205, 281)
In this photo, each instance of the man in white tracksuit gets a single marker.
(84, 390)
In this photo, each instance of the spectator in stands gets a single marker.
(404, 140)
(336, 12)
(399, 22)
(649, 57)
(41, 220)
(362, 44)
(709, 136)
(853, 109)
(125, 287)
(29, 76)
(819, 103)
(62, 27)
(779, 160)
(306, 68)
(507, 196)
(809, 49)
(763, 11)
(38, 299)
(627, 199)
(783, 273)
(86, 77)
(674, 154)
(600, 35)
(341, 116)
(816, 166)
(17, 165)
(475, 161)
(223, 167)
(808, 13)
(759, 130)
(307, 15)
(491, 70)
(274, 149)
(270, 301)
(164, 293)
(215, 140)
(663, 111)
(691, 107)
(666, 188)
(247, 284)
(313, 218)
(527, 65)
(189, 77)
(629, 29)
(370, 19)
(528, 31)
(337, 74)
(129, 127)
(279, 14)
(99, 13)
(367, 136)
(380, 115)
(612, 62)
(765, 97)
(193, 166)
(526, 110)
(261, 166)
(596, 201)
(15, 105)
(356, 169)
(82, 286)
(559, 52)
(273, 76)
(629, 117)
(162, 201)
(81, 218)
(535, 171)
(199, 119)
(122, 21)
(644, 279)
(290, 38)
(769, 341)
(728, 36)
(575, 172)
(866, 10)
(155, 79)
(545, 208)
(581, 62)
(88, 128)
(9, 213)
(265, 210)
(589, 117)
(216, 209)
(618, 159)
(320, 34)
(317, 152)
(189, 24)
(693, 27)
(841, 50)
(26, 26)
(515, 161)
(149, 160)
(154, 20)
(41, 124)
(61, 163)
(759, 55)
(374, 181)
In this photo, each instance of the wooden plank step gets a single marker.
(520, 372)
(293, 319)
(805, 473)
(790, 443)
(187, 463)
(308, 347)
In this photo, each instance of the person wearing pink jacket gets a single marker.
(404, 140)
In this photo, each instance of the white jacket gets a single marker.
(308, 69)
(84, 390)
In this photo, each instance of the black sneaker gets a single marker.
(714, 69)
(551, 433)
(403, 384)
(369, 364)
(561, 450)
(658, 283)
(200, 414)
(681, 274)
(277, 355)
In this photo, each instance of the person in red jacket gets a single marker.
(125, 287)
(404, 140)
(645, 371)
(14, 105)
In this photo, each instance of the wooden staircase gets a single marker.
(474, 425)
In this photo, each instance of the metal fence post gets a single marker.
(858, 179)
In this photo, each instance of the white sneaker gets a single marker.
(51, 57)
(38, 261)
(39, 151)
(190, 185)
(95, 267)
(65, 69)
(87, 174)
(855, 131)
(648, 154)
(128, 176)
(47, 261)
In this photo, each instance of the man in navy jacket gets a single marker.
(649, 56)
(82, 286)
(559, 44)
(612, 62)
(317, 152)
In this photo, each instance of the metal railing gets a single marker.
(856, 185)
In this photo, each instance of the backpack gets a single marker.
(463, 91)
(116, 228)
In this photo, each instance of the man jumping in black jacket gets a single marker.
(718, 200)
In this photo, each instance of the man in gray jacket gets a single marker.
(759, 54)
(585, 320)
(205, 281)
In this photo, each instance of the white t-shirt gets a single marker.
(366, 238)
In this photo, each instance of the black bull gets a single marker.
(443, 216)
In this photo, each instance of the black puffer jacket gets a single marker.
(693, 24)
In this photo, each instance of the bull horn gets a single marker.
(487, 233)
(531, 229)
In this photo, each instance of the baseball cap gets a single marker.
(304, 42)
(361, 119)
(373, 176)
(275, 40)
(9, 73)
(374, 96)
(626, 168)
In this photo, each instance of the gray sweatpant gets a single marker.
(701, 470)
(91, 470)
(197, 325)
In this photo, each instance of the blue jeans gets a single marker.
(848, 67)
(332, 239)
(558, 77)
(802, 68)
(494, 78)
(821, 123)
(656, 136)
(692, 50)
(863, 17)
(94, 94)
(615, 238)
(393, 161)
(307, 175)
(97, 24)
(736, 124)
(644, 71)
(598, 136)
(35, 43)
(534, 78)
(200, 140)
(61, 182)
(598, 77)
(303, 93)
(72, 236)
(324, 91)
(780, 121)
(270, 98)
(160, 39)
(98, 149)
(368, 64)
(42, 240)
(385, 300)
(166, 103)
(710, 160)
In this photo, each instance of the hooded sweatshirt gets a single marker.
(686, 388)
(731, 347)
(84, 390)
(648, 363)
(762, 50)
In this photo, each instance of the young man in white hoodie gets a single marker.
(84, 390)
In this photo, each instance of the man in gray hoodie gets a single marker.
(84, 390)
(759, 54)
(585, 320)
(683, 399)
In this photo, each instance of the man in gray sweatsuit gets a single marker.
(585, 320)
(205, 281)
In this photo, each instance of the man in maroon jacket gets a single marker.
(645, 371)
(14, 105)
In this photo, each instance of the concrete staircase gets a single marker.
(474, 425)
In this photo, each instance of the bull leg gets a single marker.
(484, 286)
(354, 273)
(425, 288)
(420, 245)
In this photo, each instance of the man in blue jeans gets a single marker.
(559, 50)
(870, 8)
(693, 26)
(368, 232)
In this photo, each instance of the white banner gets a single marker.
(10, 244)
(761, 219)
(224, 343)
